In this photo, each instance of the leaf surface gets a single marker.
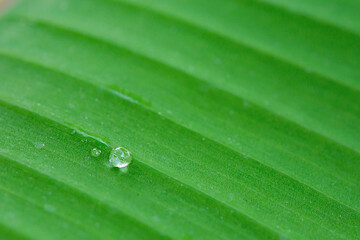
(242, 117)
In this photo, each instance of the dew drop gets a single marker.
(120, 157)
(39, 145)
(95, 152)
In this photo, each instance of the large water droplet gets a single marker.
(95, 152)
(120, 157)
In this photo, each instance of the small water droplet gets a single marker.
(95, 152)
(120, 157)
(39, 145)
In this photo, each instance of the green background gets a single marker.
(242, 117)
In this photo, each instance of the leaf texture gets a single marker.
(242, 116)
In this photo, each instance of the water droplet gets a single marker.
(95, 152)
(120, 157)
(39, 145)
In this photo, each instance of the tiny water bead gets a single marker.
(39, 145)
(120, 157)
(95, 152)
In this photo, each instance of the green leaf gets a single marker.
(242, 118)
